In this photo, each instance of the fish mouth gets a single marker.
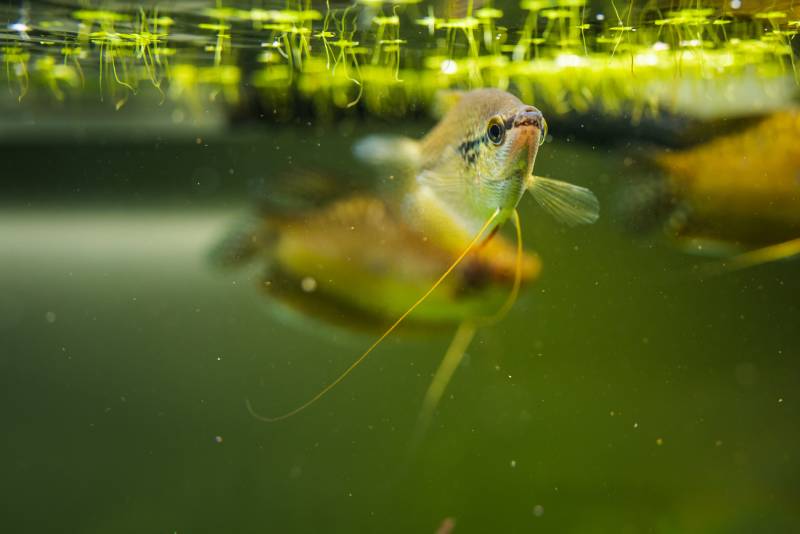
(528, 116)
(527, 125)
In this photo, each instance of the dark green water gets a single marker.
(623, 394)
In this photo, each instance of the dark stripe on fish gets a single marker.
(468, 149)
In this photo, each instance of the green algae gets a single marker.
(387, 56)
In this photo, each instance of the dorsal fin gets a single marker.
(298, 190)
(393, 155)
(444, 100)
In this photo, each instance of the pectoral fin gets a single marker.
(240, 244)
(569, 204)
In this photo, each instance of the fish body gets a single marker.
(357, 263)
(741, 190)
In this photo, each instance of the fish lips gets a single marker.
(527, 126)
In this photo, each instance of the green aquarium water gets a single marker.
(646, 381)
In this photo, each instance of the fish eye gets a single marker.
(496, 132)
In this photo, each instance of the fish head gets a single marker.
(497, 146)
(511, 142)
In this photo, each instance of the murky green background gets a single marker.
(623, 394)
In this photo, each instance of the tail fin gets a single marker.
(239, 245)
(646, 205)
(392, 154)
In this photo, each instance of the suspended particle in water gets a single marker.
(50, 317)
(308, 284)
(217, 439)
(538, 510)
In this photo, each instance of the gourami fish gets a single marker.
(429, 252)
(737, 196)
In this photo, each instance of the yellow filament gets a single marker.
(512, 297)
(450, 362)
(388, 331)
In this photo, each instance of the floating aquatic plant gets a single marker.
(388, 56)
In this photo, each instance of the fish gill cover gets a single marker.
(635, 59)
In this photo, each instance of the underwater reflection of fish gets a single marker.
(430, 246)
(356, 263)
(737, 196)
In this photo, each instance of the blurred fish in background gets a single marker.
(737, 196)
(353, 260)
